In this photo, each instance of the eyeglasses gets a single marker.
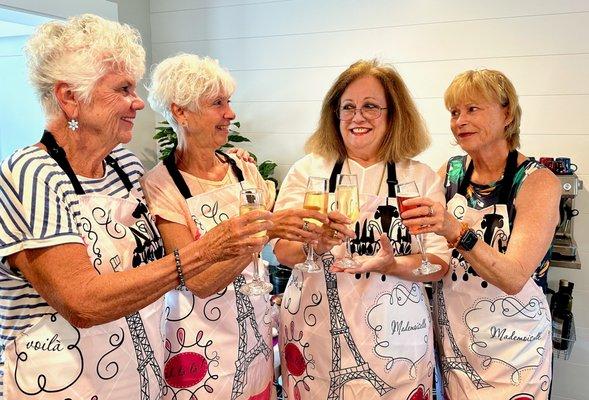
(368, 111)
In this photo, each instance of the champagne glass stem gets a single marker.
(348, 249)
(256, 277)
(419, 239)
(310, 255)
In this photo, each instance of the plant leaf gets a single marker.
(237, 138)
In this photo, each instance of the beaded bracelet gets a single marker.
(463, 228)
(182, 284)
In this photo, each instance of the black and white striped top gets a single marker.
(39, 208)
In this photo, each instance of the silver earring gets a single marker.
(73, 124)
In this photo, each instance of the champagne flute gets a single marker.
(406, 191)
(316, 198)
(347, 201)
(251, 200)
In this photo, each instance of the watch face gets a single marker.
(468, 240)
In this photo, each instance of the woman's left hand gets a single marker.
(242, 154)
(383, 262)
(290, 224)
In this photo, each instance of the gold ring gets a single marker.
(306, 225)
(431, 211)
(334, 235)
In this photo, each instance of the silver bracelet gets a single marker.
(182, 284)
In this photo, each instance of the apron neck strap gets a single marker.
(170, 164)
(234, 168)
(508, 176)
(337, 169)
(58, 154)
(391, 177)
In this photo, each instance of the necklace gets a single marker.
(384, 170)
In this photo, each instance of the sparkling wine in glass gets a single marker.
(347, 201)
(316, 197)
(405, 191)
(251, 200)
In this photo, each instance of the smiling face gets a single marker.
(479, 124)
(210, 125)
(363, 137)
(112, 109)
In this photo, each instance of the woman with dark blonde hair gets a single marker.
(494, 327)
(359, 334)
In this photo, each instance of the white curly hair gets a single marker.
(187, 80)
(80, 51)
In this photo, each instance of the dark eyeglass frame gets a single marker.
(362, 110)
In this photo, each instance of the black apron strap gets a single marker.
(337, 169)
(391, 177)
(234, 168)
(58, 154)
(122, 175)
(508, 176)
(170, 164)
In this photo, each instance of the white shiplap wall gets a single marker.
(284, 55)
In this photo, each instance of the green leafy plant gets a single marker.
(167, 140)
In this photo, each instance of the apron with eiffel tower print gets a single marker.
(219, 347)
(363, 336)
(121, 359)
(493, 346)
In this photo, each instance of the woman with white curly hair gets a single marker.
(189, 193)
(82, 272)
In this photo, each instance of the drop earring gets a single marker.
(73, 124)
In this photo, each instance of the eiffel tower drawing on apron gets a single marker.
(144, 354)
(339, 375)
(459, 361)
(245, 315)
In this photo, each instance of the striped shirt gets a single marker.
(39, 208)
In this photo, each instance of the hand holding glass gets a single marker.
(315, 199)
(347, 200)
(251, 200)
(406, 191)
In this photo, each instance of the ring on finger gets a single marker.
(306, 225)
(431, 211)
(334, 234)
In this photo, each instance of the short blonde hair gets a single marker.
(406, 134)
(187, 80)
(492, 86)
(80, 51)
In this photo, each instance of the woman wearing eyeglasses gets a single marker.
(361, 335)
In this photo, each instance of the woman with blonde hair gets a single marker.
(493, 321)
(361, 334)
(83, 273)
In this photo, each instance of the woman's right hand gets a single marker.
(235, 237)
(430, 216)
(334, 233)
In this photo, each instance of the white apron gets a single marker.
(219, 347)
(120, 360)
(493, 346)
(364, 336)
